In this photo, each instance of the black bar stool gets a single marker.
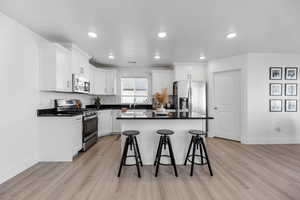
(164, 141)
(131, 142)
(197, 143)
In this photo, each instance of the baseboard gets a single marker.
(273, 140)
(13, 171)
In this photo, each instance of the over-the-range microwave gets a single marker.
(80, 84)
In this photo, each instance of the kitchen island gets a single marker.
(147, 122)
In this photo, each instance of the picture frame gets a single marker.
(275, 73)
(291, 105)
(291, 73)
(275, 105)
(275, 89)
(291, 89)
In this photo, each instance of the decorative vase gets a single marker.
(161, 109)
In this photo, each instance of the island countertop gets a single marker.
(151, 115)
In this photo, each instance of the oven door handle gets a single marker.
(88, 118)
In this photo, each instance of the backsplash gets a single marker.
(47, 98)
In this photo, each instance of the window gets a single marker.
(134, 90)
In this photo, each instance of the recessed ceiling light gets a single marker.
(157, 57)
(92, 35)
(231, 35)
(202, 57)
(111, 57)
(162, 34)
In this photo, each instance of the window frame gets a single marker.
(134, 89)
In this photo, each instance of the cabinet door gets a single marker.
(116, 125)
(84, 66)
(162, 79)
(108, 82)
(99, 82)
(92, 80)
(105, 123)
(110, 77)
(63, 70)
(76, 134)
(75, 64)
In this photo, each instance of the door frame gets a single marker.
(212, 132)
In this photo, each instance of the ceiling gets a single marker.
(128, 28)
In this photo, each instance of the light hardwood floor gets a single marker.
(241, 172)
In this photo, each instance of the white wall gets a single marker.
(229, 64)
(19, 97)
(264, 126)
(259, 126)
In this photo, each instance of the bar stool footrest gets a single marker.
(131, 156)
(196, 163)
(165, 164)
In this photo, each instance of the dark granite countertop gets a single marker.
(150, 115)
(118, 106)
(51, 112)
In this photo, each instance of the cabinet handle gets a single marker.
(77, 119)
(81, 70)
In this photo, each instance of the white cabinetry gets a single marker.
(104, 82)
(59, 138)
(110, 78)
(190, 71)
(116, 125)
(79, 61)
(104, 123)
(162, 79)
(54, 68)
(108, 123)
(99, 81)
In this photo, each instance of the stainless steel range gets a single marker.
(89, 120)
(90, 129)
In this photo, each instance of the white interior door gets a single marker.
(227, 104)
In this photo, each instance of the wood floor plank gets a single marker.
(248, 172)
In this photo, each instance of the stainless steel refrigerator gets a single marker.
(190, 96)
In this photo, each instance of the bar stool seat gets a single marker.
(165, 132)
(132, 144)
(164, 142)
(197, 132)
(131, 132)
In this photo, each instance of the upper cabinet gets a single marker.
(79, 61)
(162, 79)
(54, 68)
(104, 82)
(190, 71)
(58, 63)
(110, 82)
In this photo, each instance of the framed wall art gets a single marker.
(291, 89)
(275, 89)
(275, 73)
(291, 73)
(291, 105)
(275, 105)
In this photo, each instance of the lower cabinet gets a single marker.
(108, 124)
(59, 138)
(116, 125)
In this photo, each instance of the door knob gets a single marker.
(215, 108)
